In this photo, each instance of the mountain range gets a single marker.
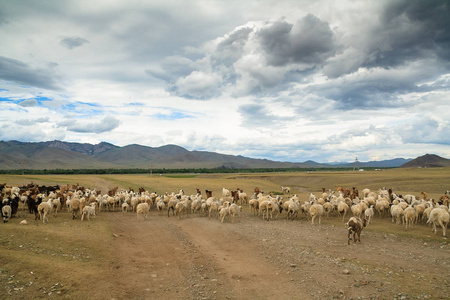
(66, 155)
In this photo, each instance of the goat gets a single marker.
(354, 226)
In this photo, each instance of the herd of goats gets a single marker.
(43, 201)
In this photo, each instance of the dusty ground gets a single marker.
(201, 258)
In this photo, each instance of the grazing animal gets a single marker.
(286, 190)
(88, 210)
(354, 226)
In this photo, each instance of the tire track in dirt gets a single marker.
(199, 258)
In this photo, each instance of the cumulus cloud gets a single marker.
(198, 85)
(425, 129)
(73, 42)
(107, 124)
(309, 41)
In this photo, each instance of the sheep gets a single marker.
(171, 205)
(44, 210)
(125, 207)
(226, 192)
(56, 206)
(243, 197)
(368, 214)
(214, 207)
(160, 205)
(342, 209)
(264, 207)
(88, 210)
(274, 206)
(397, 214)
(75, 207)
(181, 208)
(365, 192)
(293, 207)
(356, 210)
(286, 190)
(441, 217)
(6, 212)
(254, 205)
(410, 216)
(224, 212)
(142, 209)
(134, 201)
(354, 226)
(305, 209)
(196, 205)
(316, 210)
(381, 205)
(235, 210)
(409, 198)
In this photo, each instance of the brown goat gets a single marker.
(355, 225)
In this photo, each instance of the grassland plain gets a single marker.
(115, 256)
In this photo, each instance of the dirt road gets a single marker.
(201, 258)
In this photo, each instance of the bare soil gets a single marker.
(199, 258)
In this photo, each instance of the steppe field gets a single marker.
(118, 256)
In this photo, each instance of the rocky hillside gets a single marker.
(427, 161)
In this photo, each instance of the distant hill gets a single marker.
(65, 155)
(427, 161)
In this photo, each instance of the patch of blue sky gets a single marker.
(176, 115)
(4, 99)
(136, 103)
(82, 108)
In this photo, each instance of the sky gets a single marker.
(289, 80)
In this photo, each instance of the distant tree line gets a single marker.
(168, 171)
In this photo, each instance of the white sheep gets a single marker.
(410, 216)
(224, 212)
(286, 190)
(356, 210)
(243, 197)
(214, 208)
(88, 210)
(6, 211)
(226, 192)
(369, 213)
(142, 209)
(441, 217)
(235, 210)
(56, 206)
(316, 210)
(44, 210)
(343, 209)
(160, 205)
(292, 207)
(181, 208)
(397, 214)
(254, 205)
(125, 207)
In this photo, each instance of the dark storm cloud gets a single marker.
(21, 73)
(309, 41)
(73, 42)
(410, 30)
